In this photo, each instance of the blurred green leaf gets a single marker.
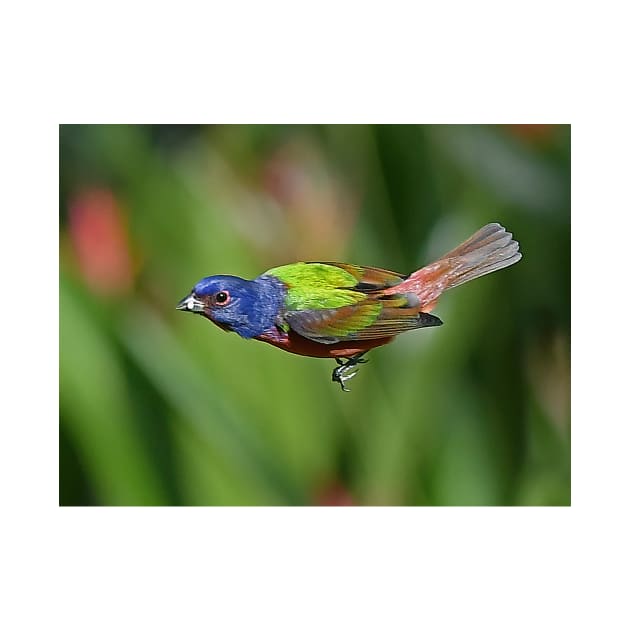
(95, 405)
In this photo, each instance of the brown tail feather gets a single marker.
(489, 249)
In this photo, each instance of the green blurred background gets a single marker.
(161, 408)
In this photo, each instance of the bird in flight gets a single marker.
(339, 310)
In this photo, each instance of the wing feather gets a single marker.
(370, 319)
(333, 324)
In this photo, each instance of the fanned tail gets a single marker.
(489, 249)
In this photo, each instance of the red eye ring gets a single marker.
(222, 298)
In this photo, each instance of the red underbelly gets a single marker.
(297, 344)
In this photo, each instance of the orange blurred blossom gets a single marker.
(99, 238)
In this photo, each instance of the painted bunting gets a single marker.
(339, 310)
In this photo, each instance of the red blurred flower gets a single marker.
(99, 238)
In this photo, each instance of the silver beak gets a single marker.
(190, 303)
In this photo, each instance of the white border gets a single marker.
(315, 568)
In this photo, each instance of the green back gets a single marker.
(317, 286)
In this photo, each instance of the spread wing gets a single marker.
(333, 302)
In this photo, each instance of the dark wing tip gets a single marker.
(426, 320)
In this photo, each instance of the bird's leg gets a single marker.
(347, 370)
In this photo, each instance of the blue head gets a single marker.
(247, 307)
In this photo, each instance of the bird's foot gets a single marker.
(347, 370)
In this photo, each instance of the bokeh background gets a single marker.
(161, 408)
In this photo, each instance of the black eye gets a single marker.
(222, 297)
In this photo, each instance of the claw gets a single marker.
(347, 370)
